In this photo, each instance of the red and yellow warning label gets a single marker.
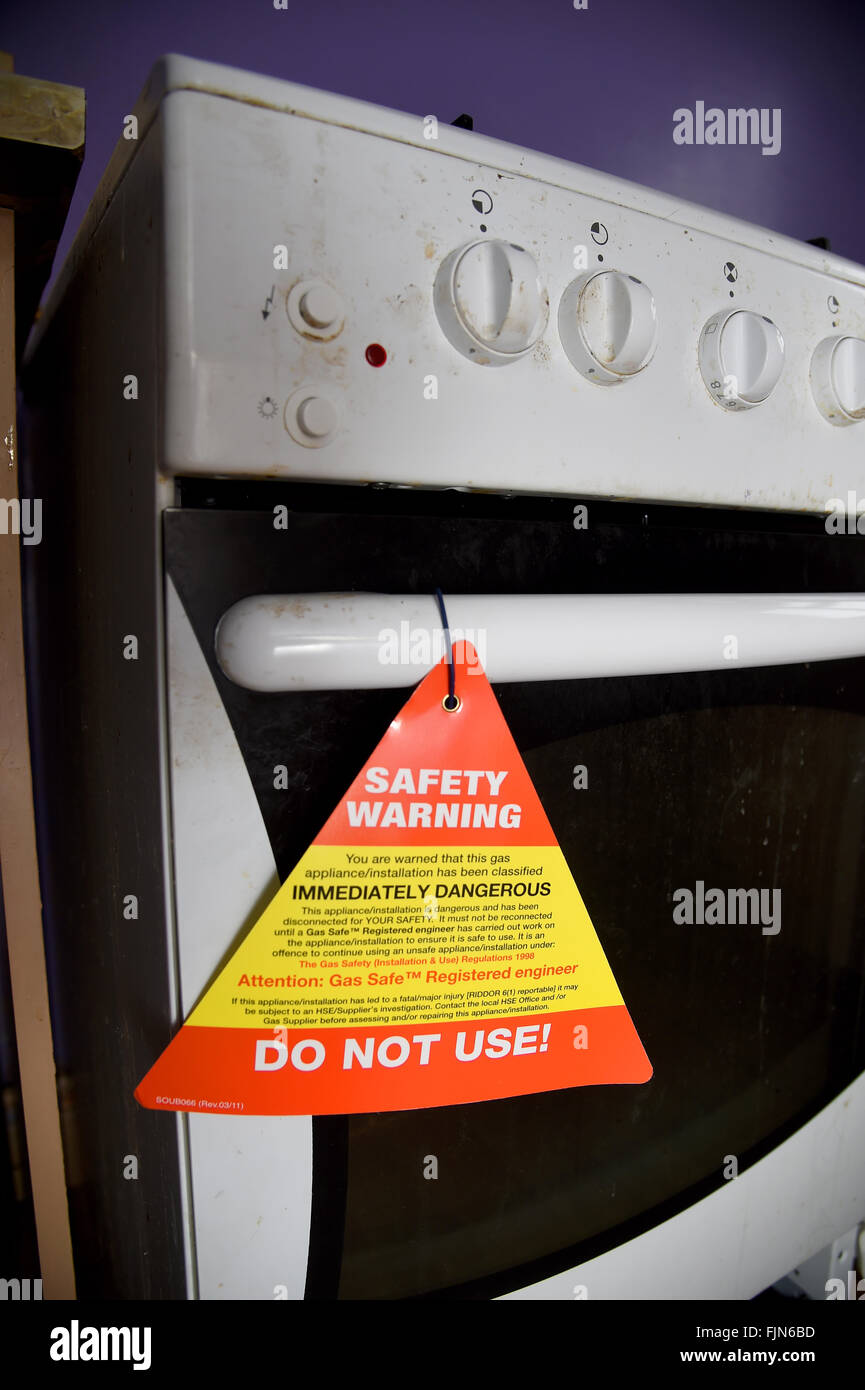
(430, 948)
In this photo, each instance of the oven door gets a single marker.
(748, 776)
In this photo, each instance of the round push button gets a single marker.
(320, 307)
(312, 416)
(316, 417)
(315, 309)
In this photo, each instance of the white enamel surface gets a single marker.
(251, 1176)
(175, 73)
(749, 1233)
(429, 417)
(367, 641)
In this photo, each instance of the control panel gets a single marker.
(374, 307)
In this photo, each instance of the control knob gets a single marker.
(490, 303)
(608, 325)
(741, 357)
(838, 379)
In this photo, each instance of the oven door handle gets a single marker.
(358, 641)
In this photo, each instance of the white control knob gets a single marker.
(741, 358)
(490, 302)
(838, 379)
(608, 325)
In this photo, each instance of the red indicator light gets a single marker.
(376, 355)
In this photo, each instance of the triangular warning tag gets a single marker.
(430, 948)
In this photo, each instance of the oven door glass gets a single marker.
(748, 778)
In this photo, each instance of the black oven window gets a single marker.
(747, 1026)
(735, 779)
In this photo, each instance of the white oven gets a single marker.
(305, 347)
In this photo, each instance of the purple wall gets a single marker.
(596, 86)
